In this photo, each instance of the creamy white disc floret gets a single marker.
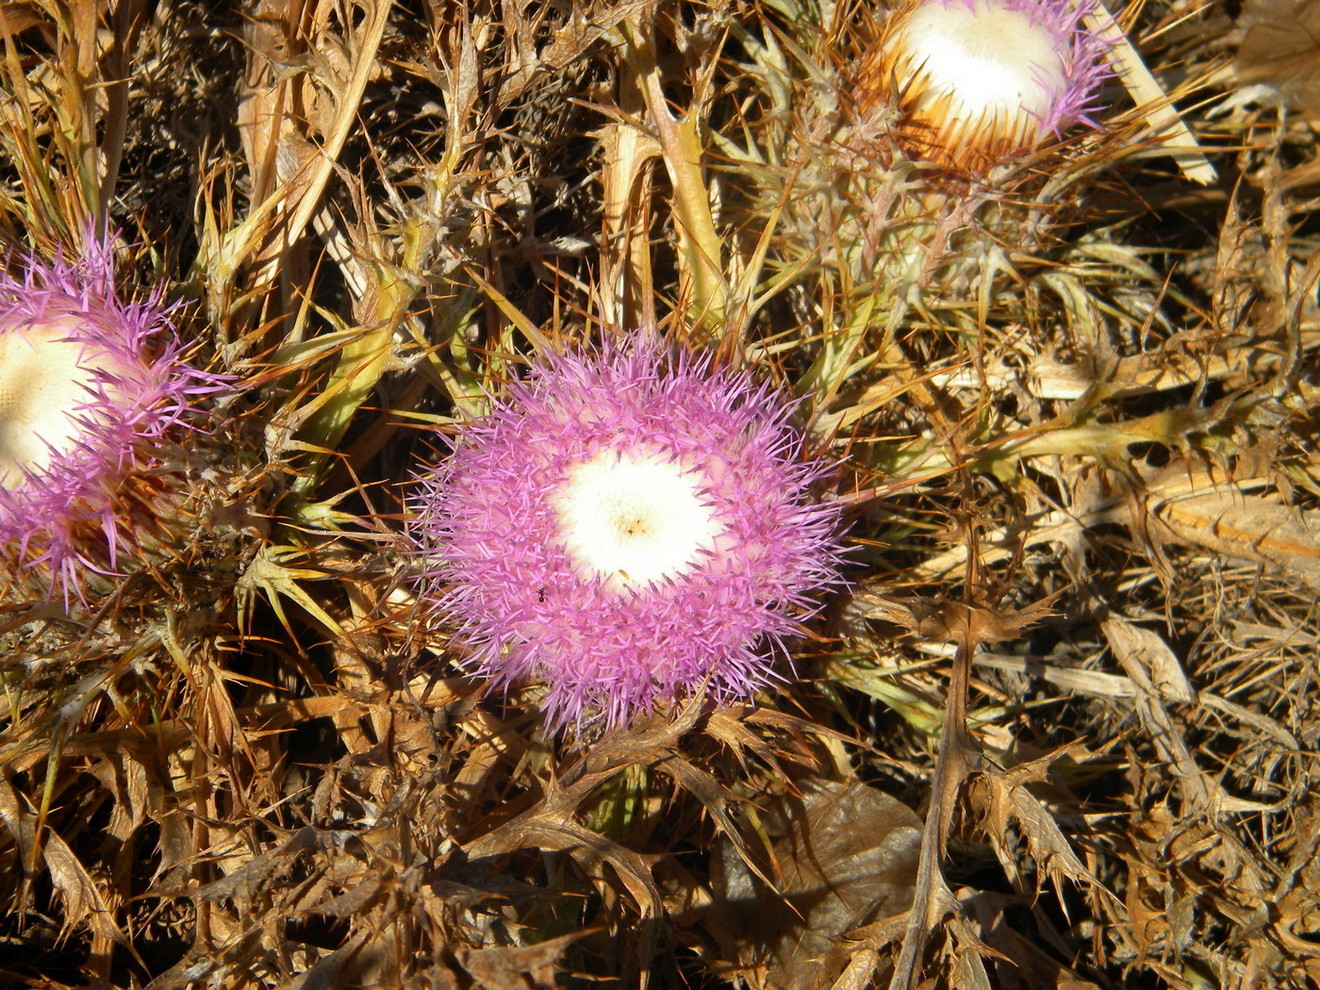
(986, 60)
(45, 380)
(631, 519)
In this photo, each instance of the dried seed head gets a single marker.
(977, 80)
(626, 526)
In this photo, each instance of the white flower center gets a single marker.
(985, 60)
(44, 381)
(632, 519)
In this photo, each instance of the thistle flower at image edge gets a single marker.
(92, 387)
(980, 80)
(626, 526)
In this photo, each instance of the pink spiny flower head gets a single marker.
(91, 387)
(977, 81)
(627, 525)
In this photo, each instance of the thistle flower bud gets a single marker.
(91, 388)
(975, 81)
(626, 526)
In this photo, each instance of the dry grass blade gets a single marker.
(1171, 133)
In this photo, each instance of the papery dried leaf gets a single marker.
(244, 882)
(84, 900)
(846, 855)
(336, 969)
(958, 622)
(18, 17)
(353, 901)
(587, 25)
(126, 779)
(591, 851)
(734, 733)
(1155, 661)
(951, 621)
(18, 820)
(713, 796)
(532, 967)
(1257, 528)
(967, 968)
(1020, 961)
(1204, 789)
(1281, 48)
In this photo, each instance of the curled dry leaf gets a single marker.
(532, 967)
(1002, 800)
(1281, 48)
(952, 621)
(1193, 505)
(1148, 660)
(845, 855)
(84, 898)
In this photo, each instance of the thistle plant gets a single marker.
(94, 389)
(627, 526)
(893, 198)
(974, 81)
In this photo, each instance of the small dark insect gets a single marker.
(540, 594)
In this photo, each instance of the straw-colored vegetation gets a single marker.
(1061, 731)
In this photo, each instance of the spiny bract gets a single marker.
(627, 525)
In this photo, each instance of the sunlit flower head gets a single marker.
(976, 81)
(627, 526)
(91, 386)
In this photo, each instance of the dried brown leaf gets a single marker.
(958, 622)
(84, 900)
(127, 780)
(336, 969)
(588, 23)
(1136, 652)
(1148, 660)
(592, 851)
(1001, 799)
(714, 798)
(734, 733)
(1257, 528)
(847, 856)
(1281, 48)
(1022, 959)
(18, 819)
(245, 881)
(532, 967)
(967, 966)
(15, 18)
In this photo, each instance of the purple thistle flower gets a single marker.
(979, 80)
(90, 388)
(627, 526)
